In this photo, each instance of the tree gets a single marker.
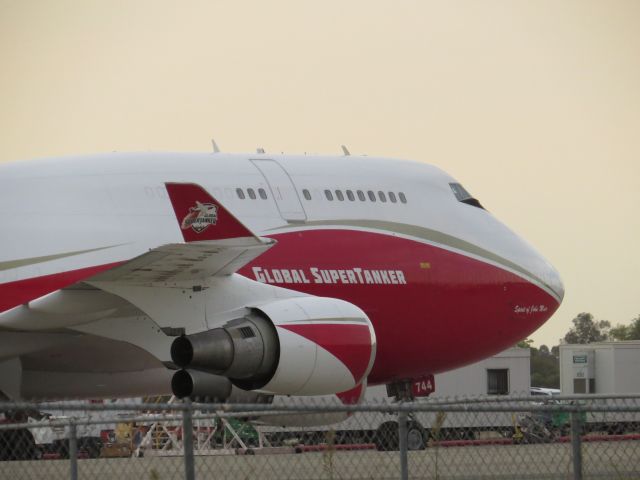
(546, 372)
(545, 368)
(620, 332)
(627, 332)
(526, 343)
(587, 330)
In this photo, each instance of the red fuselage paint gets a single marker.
(448, 310)
(432, 309)
(16, 293)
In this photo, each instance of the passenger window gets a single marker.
(339, 195)
(392, 197)
(306, 194)
(372, 196)
(262, 193)
(240, 193)
(361, 195)
(382, 197)
(252, 193)
(350, 196)
(329, 195)
(403, 199)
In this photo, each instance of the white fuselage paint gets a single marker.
(124, 209)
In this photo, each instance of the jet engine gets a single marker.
(296, 346)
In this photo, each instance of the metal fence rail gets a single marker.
(492, 437)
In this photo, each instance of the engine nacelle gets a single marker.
(326, 346)
(296, 346)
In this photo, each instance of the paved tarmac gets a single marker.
(548, 461)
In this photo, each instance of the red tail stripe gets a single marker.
(200, 216)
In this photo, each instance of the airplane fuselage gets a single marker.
(443, 282)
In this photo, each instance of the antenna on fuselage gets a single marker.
(345, 151)
(216, 149)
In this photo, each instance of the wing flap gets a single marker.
(180, 262)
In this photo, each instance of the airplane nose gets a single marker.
(546, 275)
(555, 283)
(541, 271)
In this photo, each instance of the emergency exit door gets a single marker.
(283, 190)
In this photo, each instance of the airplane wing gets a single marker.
(127, 320)
(216, 244)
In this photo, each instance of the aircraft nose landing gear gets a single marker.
(388, 433)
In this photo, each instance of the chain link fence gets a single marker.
(497, 437)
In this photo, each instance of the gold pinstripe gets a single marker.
(431, 236)
(23, 262)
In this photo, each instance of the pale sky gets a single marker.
(534, 106)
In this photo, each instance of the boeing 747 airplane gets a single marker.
(251, 275)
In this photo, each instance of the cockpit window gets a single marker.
(463, 196)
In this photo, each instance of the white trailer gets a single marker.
(606, 368)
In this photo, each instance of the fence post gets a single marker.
(576, 444)
(73, 449)
(402, 437)
(187, 440)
